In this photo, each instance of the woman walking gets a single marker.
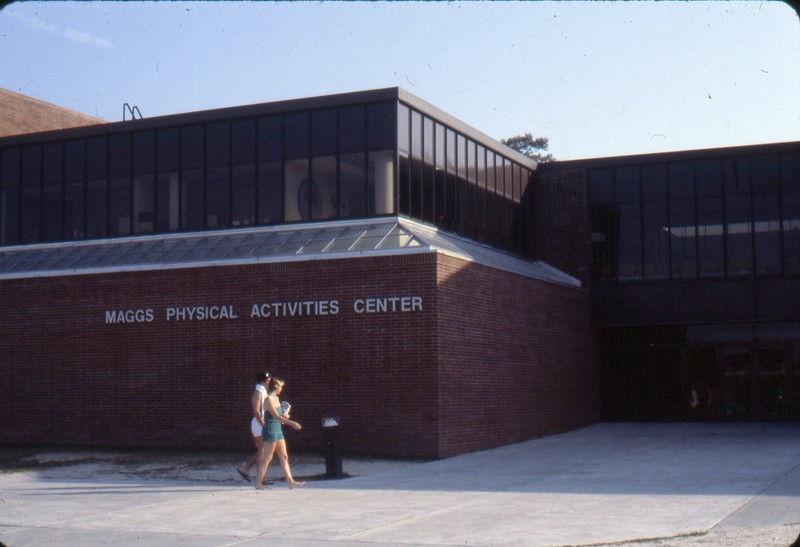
(272, 436)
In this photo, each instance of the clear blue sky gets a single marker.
(596, 78)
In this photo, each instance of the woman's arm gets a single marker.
(272, 405)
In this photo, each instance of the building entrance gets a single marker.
(666, 373)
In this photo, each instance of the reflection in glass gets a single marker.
(74, 189)
(31, 197)
(9, 195)
(53, 192)
(243, 172)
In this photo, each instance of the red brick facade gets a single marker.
(561, 230)
(22, 115)
(473, 358)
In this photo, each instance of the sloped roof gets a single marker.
(20, 115)
(385, 236)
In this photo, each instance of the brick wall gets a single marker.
(69, 377)
(22, 114)
(561, 230)
(518, 358)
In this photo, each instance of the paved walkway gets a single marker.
(609, 484)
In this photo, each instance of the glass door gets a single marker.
(735, 395)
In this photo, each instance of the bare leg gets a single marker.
(265, 453)
(254, 460)
(283, 458)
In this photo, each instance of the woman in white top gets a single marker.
(257, 400)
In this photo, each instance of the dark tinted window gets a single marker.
(10, 194)
(53, 192)
(381, 126)
(31, 206)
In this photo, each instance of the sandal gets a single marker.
(244, 475)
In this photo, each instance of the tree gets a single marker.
(530, 147)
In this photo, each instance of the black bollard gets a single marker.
(333, 445)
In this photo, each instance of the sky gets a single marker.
(595, 78)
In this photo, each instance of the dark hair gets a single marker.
(261, 377)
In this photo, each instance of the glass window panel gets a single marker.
(168, 180)
(630, 242)
(97, 188)
(144, 182)
(440, 179)
(683, 240)
(738, 217)
(322, 188)
(380, 182)
(352, 130)
(765, 174)
(509, 209)
(53, 192)
(710, 237)
(270, 138)
(270, 171)
(270, 193)
(627, 184)
(298, 194)
(322, 192)
(708, 176)
(243, 142)
(472, 190)
(791, 232)
(75, 189)
(119, 189)
(656, 240)
(415, 188)
(736, 176)
(243, 195)
(353, 162)
(450, 181)
(480, 192)
(461, 183)
(192, 184)
(404, 149)
(681, 180)
(654, 182)
(9, 195)
(739, 234)
(767, 232)
(790, 214)
(299, 197)
(323, 133)
(601, 186)
(381, 130)
(427, 170)
(31, 184)
(296, 136)
(353, 180)
(243, 173)
(404, 130)
(218, 175)
(491, 197)
(790, 172)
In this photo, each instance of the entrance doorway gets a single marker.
(656, 374)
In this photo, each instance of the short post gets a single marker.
(333, 445)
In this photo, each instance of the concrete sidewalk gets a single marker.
(609, 484)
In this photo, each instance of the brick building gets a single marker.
(436, 290)
(370, 249)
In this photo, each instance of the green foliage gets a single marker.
(528, 146)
